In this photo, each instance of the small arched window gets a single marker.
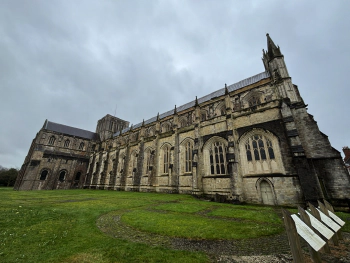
(81, 146)
(183, 122)
(203, 115)
(62, 176)
(77, 176)
(222, 111)
(52, 140)
(66, 143)
(150, 131)
(165, 127)
(43, 175)
(254, 101)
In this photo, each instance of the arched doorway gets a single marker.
(266, 193)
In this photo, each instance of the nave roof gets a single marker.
(218, 93)
(56, 127)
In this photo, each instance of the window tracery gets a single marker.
(166, 159)
(183, 122)
(260, 153)
(188, 157)
(261, 148)
(81, 146)
(217, 155)
(52, 140)
(165, 127)
(66, 143)
(215, 160)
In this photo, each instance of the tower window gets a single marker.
(62, 176)
(81, 146)
(66, 143)
(43, 175)
(52, 140)
(77, 176)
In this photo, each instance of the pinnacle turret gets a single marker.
(272, 50)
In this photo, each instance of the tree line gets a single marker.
(8, 176)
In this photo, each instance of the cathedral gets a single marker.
(252, 141)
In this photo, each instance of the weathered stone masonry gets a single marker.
(252, 141)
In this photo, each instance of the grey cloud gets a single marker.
(75, 61)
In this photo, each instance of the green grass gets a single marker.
(60, 225)
(197, 226)
(265, 214)
(346, 218)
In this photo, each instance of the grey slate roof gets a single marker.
(56, 127)
(215, 94)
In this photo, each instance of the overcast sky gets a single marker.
(72, 62)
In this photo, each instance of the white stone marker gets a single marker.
(329, 222)
(308, 234)
(336, 218)
(320, 227)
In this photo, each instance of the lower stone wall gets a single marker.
(283, 190)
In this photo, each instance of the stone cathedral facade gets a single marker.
(252, 141)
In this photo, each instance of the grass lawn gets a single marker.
(60, 225)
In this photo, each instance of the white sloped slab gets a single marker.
(328, 221)
(308, 234)
(320, 227)
(336, 218)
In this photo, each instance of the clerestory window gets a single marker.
(81, 146)
(66, 143)
(52, 140)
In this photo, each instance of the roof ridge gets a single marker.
(67, 126)
(235, 86)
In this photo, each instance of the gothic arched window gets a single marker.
(166, 159)
(254, 101)
(62, 176)
(203, 115)
(148, 158)
(188, 157)
(165, 127)
(52, 140)
(77, 176)
(66, 143)
(183, 122)
(81, 146)
(258, 147)
(217, 154)
(260, 153)
(43, 175)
